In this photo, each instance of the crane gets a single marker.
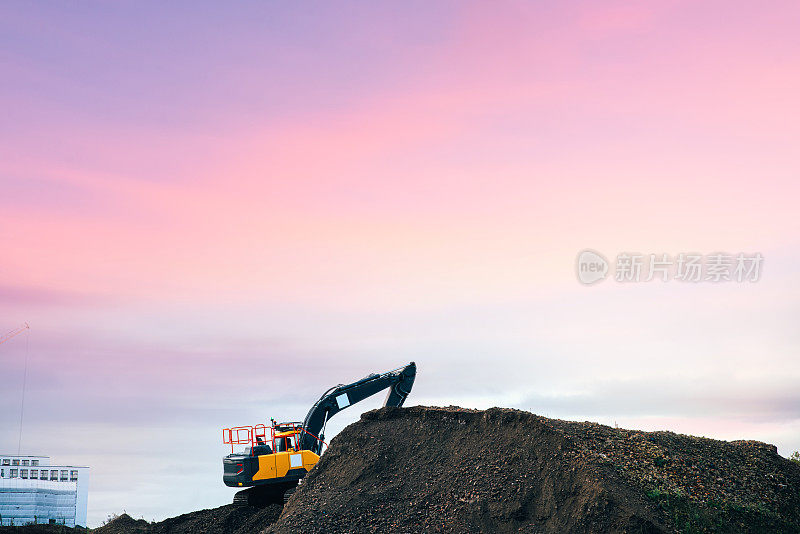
(15, 332)
(6, 337)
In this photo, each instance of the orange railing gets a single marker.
(257, 435)
(239, 435)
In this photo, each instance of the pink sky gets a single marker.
(200, 205)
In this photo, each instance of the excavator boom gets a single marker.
(399, 381)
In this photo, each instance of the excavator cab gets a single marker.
(278, 456)
(285, 441)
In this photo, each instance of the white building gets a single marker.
(33, 490)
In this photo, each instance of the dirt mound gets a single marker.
(454, 470)
(223, 520)
(226, 519)
(124, 524)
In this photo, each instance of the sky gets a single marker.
(212, 213)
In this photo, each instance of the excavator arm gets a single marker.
(399, 382)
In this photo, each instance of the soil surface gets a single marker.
(229, 518)
(453, 470)
(225, 519)
(500, 470)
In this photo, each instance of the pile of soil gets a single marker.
(500, 470)
(453, 470)
(225, 519)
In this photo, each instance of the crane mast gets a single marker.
(13, 333)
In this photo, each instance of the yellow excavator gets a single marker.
(278, 455)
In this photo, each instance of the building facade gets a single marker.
(32, 490)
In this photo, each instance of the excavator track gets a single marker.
(265, 495)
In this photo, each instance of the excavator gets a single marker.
(279, 455)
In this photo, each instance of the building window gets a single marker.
(34, 473)
(2, 473)
(73, 475)
(15, 461)
(43, 475)
(34, 462)
(26, 462)
(23, 473)
(6, 461)
(53, 474)
(64, 475)
(13, 473)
